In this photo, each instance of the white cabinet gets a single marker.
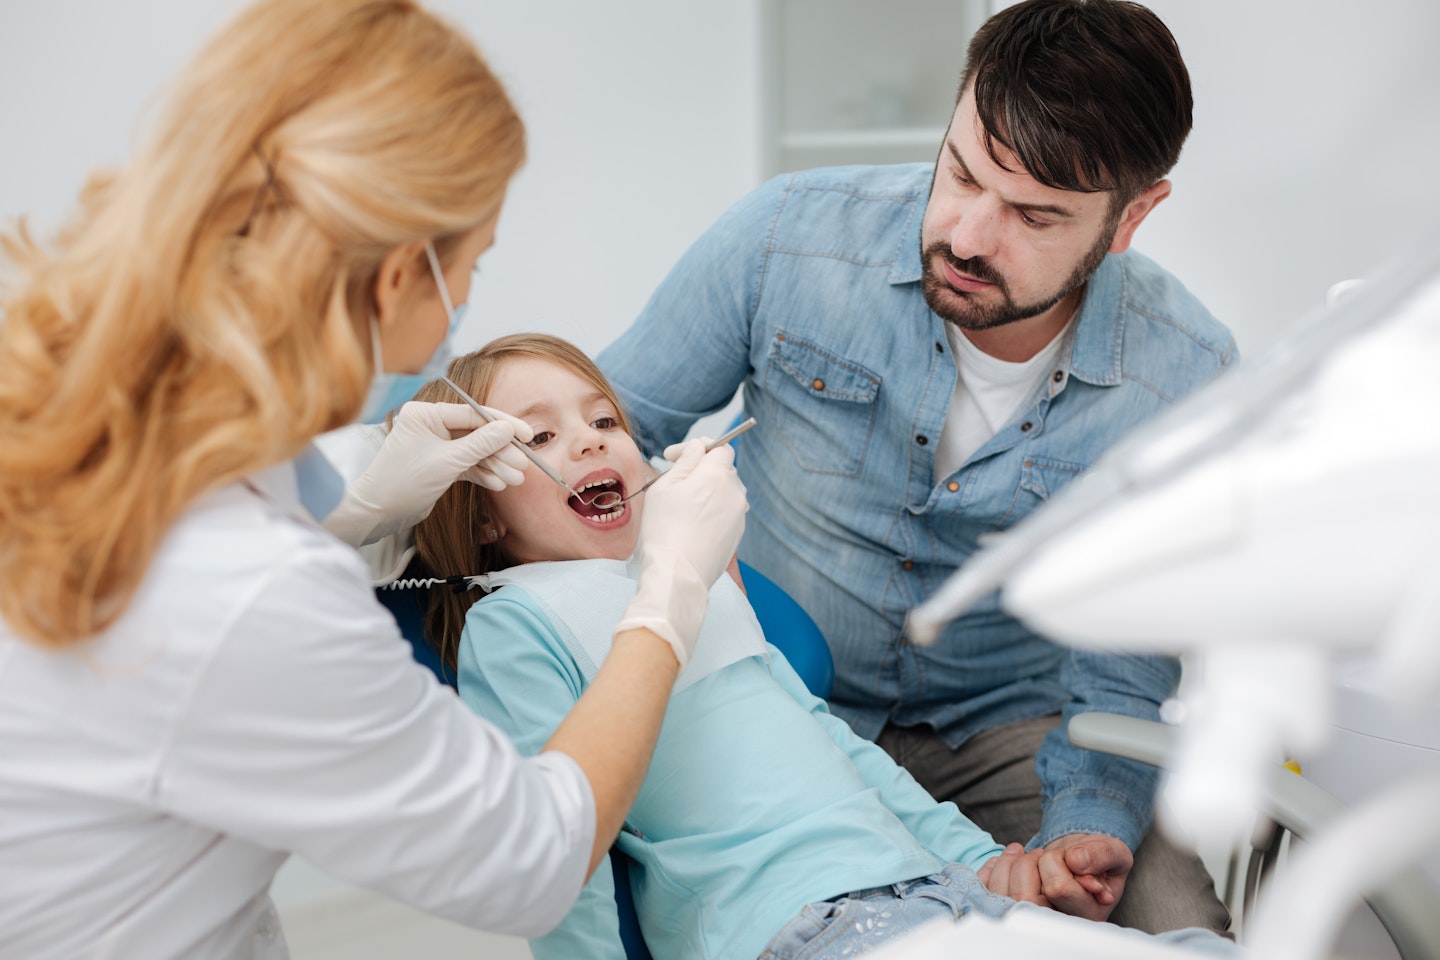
(861, 81)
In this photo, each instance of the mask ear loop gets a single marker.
(375, 353)
(439, 276)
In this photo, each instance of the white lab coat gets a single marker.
(254, 700)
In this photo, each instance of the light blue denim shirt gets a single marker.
(808, 292)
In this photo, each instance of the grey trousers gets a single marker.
(992, 779)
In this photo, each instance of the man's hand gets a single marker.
(1082, 874)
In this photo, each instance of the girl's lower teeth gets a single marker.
(608, 517)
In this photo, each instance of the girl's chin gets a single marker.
(616, 551)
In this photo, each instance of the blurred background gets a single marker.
(1311, 161)
(1315, 131)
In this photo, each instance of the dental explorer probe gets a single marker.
(489, 417)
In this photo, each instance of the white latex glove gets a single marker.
(429, 447)
(693, 519)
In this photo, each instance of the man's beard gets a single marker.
(959, 308)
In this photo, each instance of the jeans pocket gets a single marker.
(799, 934)
(849, 927)
(822, 405)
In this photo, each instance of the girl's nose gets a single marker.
(589, 441)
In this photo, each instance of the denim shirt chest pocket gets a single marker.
(1041, 478)
(823, 405)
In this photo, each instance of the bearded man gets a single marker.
(932, 351)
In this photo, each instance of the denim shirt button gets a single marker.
(952, 486)
(922, 439)
(818, 384)
(907, 565)
(938, 347)
(1026, 427)
(1058, 376)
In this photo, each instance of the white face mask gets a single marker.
(389, 390)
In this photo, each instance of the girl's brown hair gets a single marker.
(207, 312)
(457, 538)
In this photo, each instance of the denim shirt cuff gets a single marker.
(1092, 811)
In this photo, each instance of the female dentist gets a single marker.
(195, 678)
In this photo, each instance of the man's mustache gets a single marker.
(976, 267)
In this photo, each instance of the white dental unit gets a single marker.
(1281, 530)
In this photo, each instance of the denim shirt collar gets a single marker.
(1093, 353)
(1095, 346)
(906, 266)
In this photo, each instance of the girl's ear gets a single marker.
(490, 530)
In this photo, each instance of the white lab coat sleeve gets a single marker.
(314, 731)
(350, 451)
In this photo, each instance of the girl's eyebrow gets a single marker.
(546, 405)
(539, 406)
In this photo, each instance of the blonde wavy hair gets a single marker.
(457, 538)
(207, 311)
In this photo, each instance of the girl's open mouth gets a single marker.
(602, 482)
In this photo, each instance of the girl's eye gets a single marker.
(606, 423)
(541, 438)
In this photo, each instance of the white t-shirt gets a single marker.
(988, 393)
(255, 700)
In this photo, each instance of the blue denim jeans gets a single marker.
(856, 923)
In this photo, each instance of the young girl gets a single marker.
(765, 827)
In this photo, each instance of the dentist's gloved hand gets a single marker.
(691, 525)
(428, 448)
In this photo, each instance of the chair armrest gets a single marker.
(1128, 737)
(1290, 800)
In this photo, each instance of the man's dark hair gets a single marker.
(1089, 95)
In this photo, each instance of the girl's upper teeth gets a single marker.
(597, 483)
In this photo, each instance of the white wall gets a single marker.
(1313, 156)
(1310, 162)
(642, 115)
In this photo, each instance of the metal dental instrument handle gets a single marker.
(612, 499)
(487, 416)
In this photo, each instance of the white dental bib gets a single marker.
(584, 599)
